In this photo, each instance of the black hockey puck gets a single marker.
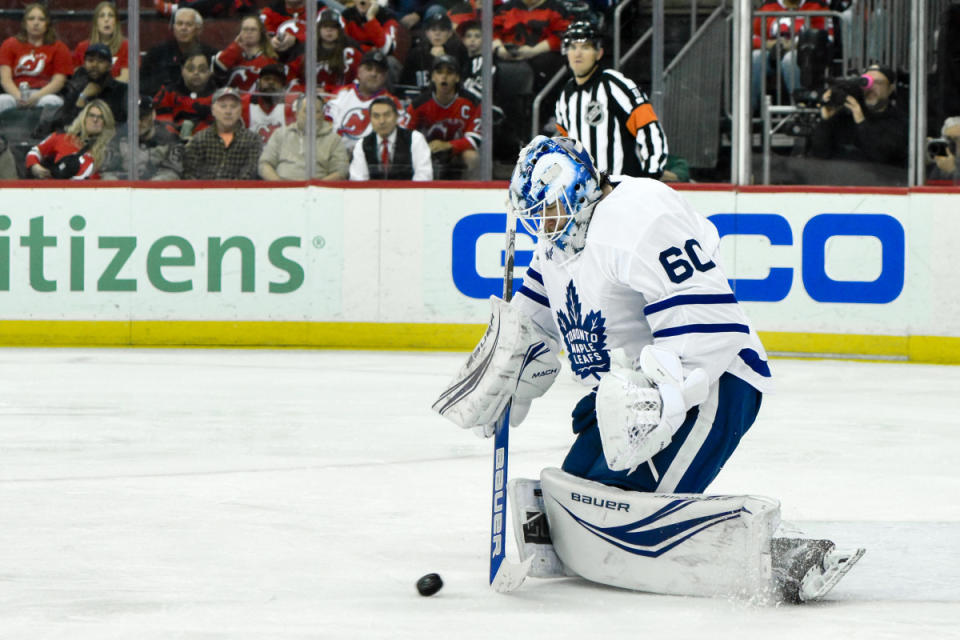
(429, 584)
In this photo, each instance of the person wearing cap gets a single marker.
(875, 130)
(159, 151)
(450, 120)
(338, 57)
(607, 112)
(226, 150)
(348, 110)
(270, 107)
(162, 64)
(438, 40)
(239, 64)
(105, 29)
(92, 81)
(390, 152)
(284, 158)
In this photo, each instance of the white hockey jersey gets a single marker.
(348, 112)
(649, 273)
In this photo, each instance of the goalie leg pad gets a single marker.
(680, 544)
(531, 530)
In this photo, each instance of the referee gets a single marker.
(607, 112)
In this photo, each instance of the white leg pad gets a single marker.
(679, 544)
(531, 530)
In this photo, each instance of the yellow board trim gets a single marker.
(409, 337)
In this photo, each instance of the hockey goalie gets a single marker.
(626, 280)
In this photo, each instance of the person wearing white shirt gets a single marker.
(390, 152)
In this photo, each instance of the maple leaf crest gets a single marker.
(585, 338)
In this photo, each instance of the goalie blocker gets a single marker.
(512, 360)
(677, 544)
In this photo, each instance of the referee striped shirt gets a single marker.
(613, 119)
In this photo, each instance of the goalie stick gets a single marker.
(505, 576)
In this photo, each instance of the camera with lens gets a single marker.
(840, 88)
(941, 147)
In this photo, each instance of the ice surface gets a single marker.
(300, 494)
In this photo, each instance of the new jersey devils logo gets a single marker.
(291, 27)
(31, 64)
(355, 123)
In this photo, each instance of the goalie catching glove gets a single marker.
(512, 360)
(639, 411)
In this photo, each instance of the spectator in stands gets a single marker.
(159, 151)
(471, 34)
(8, 165)
(439, 40)
(348, 110)
(411, 12)
(774, 39)
(105, 30)
(338, 57)
(184, 105)
(450, 121)
(240, 63)
(270, 107)
(529, 32)
(607, 111)
(943, 164)
(226, 150)
(285, 21)
(375, 28)
(284, 158)
(79, 153)
(34, 65)
(163, 63)
(874, 130)
(390, 152)
(92, 81)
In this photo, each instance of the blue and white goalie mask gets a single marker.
(553, 191)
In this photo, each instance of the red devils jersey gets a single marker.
(379, 33)
(263, 118)
(778, 25)
(35, 65)
(119, 58)
(516, 24)
(55, 147)
(328, 81)
(278, 19)
(174, 104)
(243, 72)
(351, 120)
(458, 122)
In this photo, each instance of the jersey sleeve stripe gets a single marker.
(641, 117)
(677, 301)
(533, 295)
(755, 362)
(534, 275)
(702, 328)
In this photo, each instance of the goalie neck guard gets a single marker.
(553, 191)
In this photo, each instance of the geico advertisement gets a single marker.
(154, 254)
(799, 262)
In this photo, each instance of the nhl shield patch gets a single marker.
(584, 336)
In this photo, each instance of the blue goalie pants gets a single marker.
(693, 458)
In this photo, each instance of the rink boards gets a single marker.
(838, 271)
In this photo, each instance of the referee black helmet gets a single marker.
(582, 31)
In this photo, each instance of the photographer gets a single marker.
(942, 153)
(859, 121)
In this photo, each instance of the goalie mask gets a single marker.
(553, 191)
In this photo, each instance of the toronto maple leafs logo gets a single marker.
(585, 337)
